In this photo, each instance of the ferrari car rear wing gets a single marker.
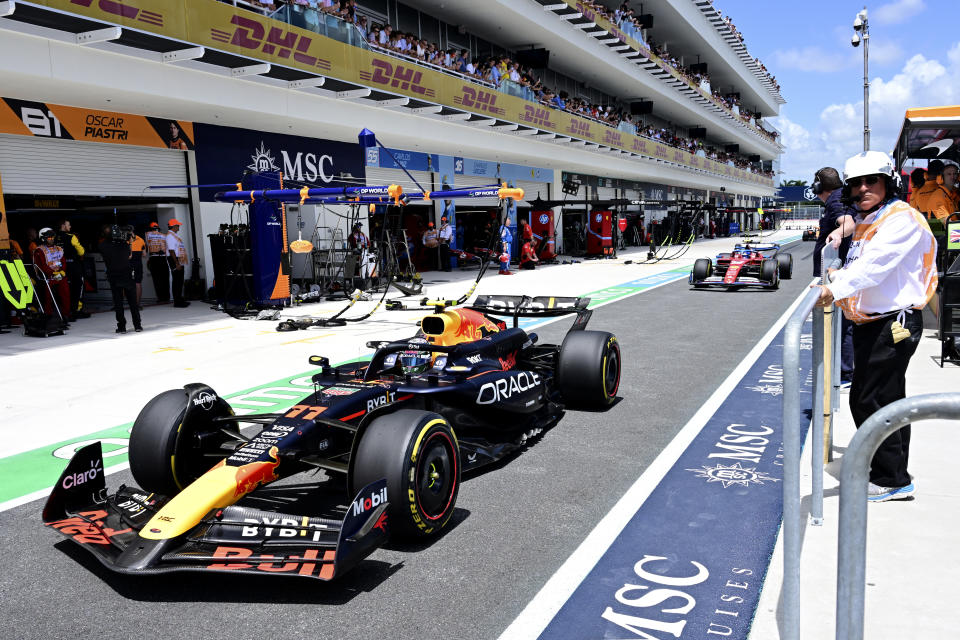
(536, 307)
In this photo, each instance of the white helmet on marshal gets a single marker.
(868, 163)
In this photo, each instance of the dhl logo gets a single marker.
(537, 115)
(397, 77)
(613, 137)
(694, 161)
(678, 156)
(255, 473)
(579, 128)
(639, 145)
(479, 100)
(252, 34)
(123, 11)
(660, 151)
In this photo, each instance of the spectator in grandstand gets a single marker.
(385, 35)
(890, 275)
(362, 26)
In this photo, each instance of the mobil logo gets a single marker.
(396, 76)
(364, 504)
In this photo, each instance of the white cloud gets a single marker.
(816, 59)
(838, 134)
(896, 12)
(805, 59)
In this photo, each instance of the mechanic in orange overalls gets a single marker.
(157, 262)
(137, 245)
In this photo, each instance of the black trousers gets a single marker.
(178, 285)
(128, 289)
(160, 272)
(879, 378)
(444, 256)
(846, 348)
(74, 271)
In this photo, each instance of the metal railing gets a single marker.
(792, 516)
(325, 24)
(852, 538)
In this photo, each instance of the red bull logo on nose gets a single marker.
(257, 473)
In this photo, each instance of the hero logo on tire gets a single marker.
(205, 400)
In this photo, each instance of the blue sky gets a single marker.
(914, 62)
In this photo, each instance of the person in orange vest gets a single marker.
(137, 246)
(157, 262)
(930, 185)
(177, 257)
(889, 276)
(49, 259)
(943, 200)
(918, 178)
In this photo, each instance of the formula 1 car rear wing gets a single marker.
(538, 307)
(757, 247)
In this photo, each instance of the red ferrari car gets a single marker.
(747, 266)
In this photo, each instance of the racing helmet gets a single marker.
(415, 360)
(869, 163)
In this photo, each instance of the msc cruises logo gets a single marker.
(734, 474)
(263, 160)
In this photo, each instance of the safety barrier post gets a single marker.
(831, 258)
(792, 522)
(852, 539)
(792, 518)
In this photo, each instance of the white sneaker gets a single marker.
(876, 493)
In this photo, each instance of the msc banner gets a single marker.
(225, 154)
(226, 28)
(692, 560)
(25, 118)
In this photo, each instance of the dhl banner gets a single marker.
(23, 117)
(221, 26)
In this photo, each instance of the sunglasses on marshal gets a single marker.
(854, 183)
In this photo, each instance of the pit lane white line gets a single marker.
(547, 602)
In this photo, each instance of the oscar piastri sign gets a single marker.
(691, 561)
(225, 154)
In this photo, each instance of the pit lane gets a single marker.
(515, 525)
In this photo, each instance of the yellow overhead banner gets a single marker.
(227, 28)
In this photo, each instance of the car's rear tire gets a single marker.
(166, 452)
(417, 452)
(785, 265)
(702, 268)
(588, 369)
(769, 272)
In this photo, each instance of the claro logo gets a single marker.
(504, 388)
(77, 479)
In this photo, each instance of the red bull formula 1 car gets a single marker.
(464, 392)
(748, 265)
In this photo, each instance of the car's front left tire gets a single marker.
(418, 454)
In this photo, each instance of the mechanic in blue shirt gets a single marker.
(506, 241)
(827, 186)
